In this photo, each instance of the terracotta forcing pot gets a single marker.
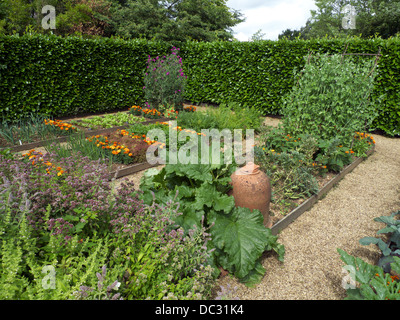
(252, 189)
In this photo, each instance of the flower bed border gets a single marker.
(306, 205)
(32, 145)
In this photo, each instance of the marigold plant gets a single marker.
(58, 123)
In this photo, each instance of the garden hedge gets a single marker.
(69, 76)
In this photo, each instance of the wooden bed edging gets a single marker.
(131, 169)
(306, 205)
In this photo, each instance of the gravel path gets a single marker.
(312, 269)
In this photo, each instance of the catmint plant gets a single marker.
(75, 222)
(101, 292)
(164, 81)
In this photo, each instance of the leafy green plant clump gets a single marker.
(226, 116)
(72, 235)
(108, 120)
(370, 282)
(391, 247)
(238, 236)
(381, 281)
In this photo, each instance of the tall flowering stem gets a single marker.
(164, 81)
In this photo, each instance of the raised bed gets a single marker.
(126, 170)
(29, 146)
(306, 205)
(290, 217)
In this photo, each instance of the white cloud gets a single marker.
(272, 16)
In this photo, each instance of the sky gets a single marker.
(271, 16)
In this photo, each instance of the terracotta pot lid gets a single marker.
(249, 168)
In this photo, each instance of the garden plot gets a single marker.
(38, 130)
(296, 183)
(288, 203)
(196, 199)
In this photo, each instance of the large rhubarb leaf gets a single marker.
(242, 237)
(207, 195)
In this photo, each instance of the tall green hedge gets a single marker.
(67, 76)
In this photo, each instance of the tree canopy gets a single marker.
(201, 20)
(378, 17)
(168, 20)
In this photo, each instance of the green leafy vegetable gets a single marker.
(238, 235)
(242, 238)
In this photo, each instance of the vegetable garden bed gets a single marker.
(282, 223)
(203, 191)
(279, 218)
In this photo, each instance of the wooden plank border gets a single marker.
(131, 169)
(306, 205)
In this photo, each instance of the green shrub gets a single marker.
(381, 281)
(47, 74)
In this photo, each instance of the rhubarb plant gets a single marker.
(238, 235)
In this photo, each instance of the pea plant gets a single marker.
(331, 99)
